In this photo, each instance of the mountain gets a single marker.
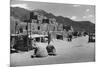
(23, 15)
(19, 13)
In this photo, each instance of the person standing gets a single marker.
(49, 38)
(50, 48)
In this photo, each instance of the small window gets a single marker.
(38, 27)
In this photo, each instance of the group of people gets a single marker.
(44, 51)
(75, 35)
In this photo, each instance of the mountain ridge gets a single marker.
(23, 14)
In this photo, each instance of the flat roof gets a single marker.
(36, 35)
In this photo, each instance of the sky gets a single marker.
(75, 12)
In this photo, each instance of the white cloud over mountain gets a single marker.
(20, 5)
(73, 17)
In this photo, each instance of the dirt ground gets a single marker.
(79, 50)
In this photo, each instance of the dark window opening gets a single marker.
(37, 39)
(45, 21)
(38, 27)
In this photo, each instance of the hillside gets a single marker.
(23, 15)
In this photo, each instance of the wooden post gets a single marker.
(27, 35)
(15, 31)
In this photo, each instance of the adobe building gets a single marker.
(40, 24)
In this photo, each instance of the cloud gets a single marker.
(76, 5)
(87, 10)
(20, 5)
(88, 16)
(73, 17)
(84, 17)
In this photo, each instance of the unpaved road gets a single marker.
(79, 50)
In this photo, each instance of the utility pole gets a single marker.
(30, 26)
(15, 31)
(27, 34)
(30, 21)
(31, 17)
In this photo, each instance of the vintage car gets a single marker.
(20, 42)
